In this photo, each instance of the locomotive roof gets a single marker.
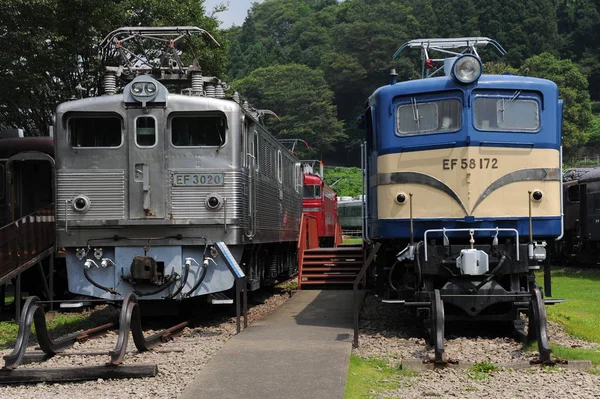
(591, 175)
(12, 146)
(492, 82)
(312, 179)
(181, 102)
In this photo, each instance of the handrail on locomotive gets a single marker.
(462, 45)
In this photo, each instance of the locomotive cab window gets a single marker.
(145, 131)
(95, 132)
(198, 131)
(428, 116)
(507, 113)
(573, 193)
(312, 191)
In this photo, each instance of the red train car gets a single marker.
(320, 201)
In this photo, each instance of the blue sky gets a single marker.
(235, 15)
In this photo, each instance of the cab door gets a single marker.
(146, 165)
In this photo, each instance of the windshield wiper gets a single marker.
(506, 102)
(415, 110)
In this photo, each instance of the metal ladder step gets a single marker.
(218, 298)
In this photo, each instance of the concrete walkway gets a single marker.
(302, 350)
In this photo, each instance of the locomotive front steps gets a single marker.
(337, 266)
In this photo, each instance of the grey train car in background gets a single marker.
(350, 213)
(148, 181)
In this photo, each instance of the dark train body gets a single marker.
(581, 242)
(463, 188)
(27, 212)
(26, 175)
(149, 180)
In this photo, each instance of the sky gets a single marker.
(235, 15)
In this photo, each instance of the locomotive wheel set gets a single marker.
(462, 176)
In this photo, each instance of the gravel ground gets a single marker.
(391, 332)
(188, 354)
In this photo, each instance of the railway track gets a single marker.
(396, 333)
(122, 350)
(178, 360)
(129, 322)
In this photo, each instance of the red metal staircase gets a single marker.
(337, 265)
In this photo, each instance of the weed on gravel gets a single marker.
(370, 377)
(481, 371)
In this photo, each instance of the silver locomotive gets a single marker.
(147, 181)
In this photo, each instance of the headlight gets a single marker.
(150, 88)
(467, 69)
(137, 88)
(537, 195)
(213, 201)
(81, 203)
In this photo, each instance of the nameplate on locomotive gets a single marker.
(198, 179)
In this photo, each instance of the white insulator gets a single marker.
(110, 83)
(209, 89)
(236, 97)
(220, 91)
(246, 106)
(197, 84)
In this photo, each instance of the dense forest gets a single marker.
(313, 62)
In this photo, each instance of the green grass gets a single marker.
(565, 353)
(580, 315)
(59, 324)
(369, 377)
(352, 241)
(290, 285)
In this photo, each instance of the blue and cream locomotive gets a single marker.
(148, 180)
(463, 183)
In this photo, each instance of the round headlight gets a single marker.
(137, 88)
(467, 69)
(150, 88)
(81, 203)
(213, 201)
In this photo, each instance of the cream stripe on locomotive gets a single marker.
(469, 181)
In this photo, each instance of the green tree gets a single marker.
(523, 27)
(300, 96)
(498, 68)
(49, 50)
(573, 89)
(579, 26)
(346, 181)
